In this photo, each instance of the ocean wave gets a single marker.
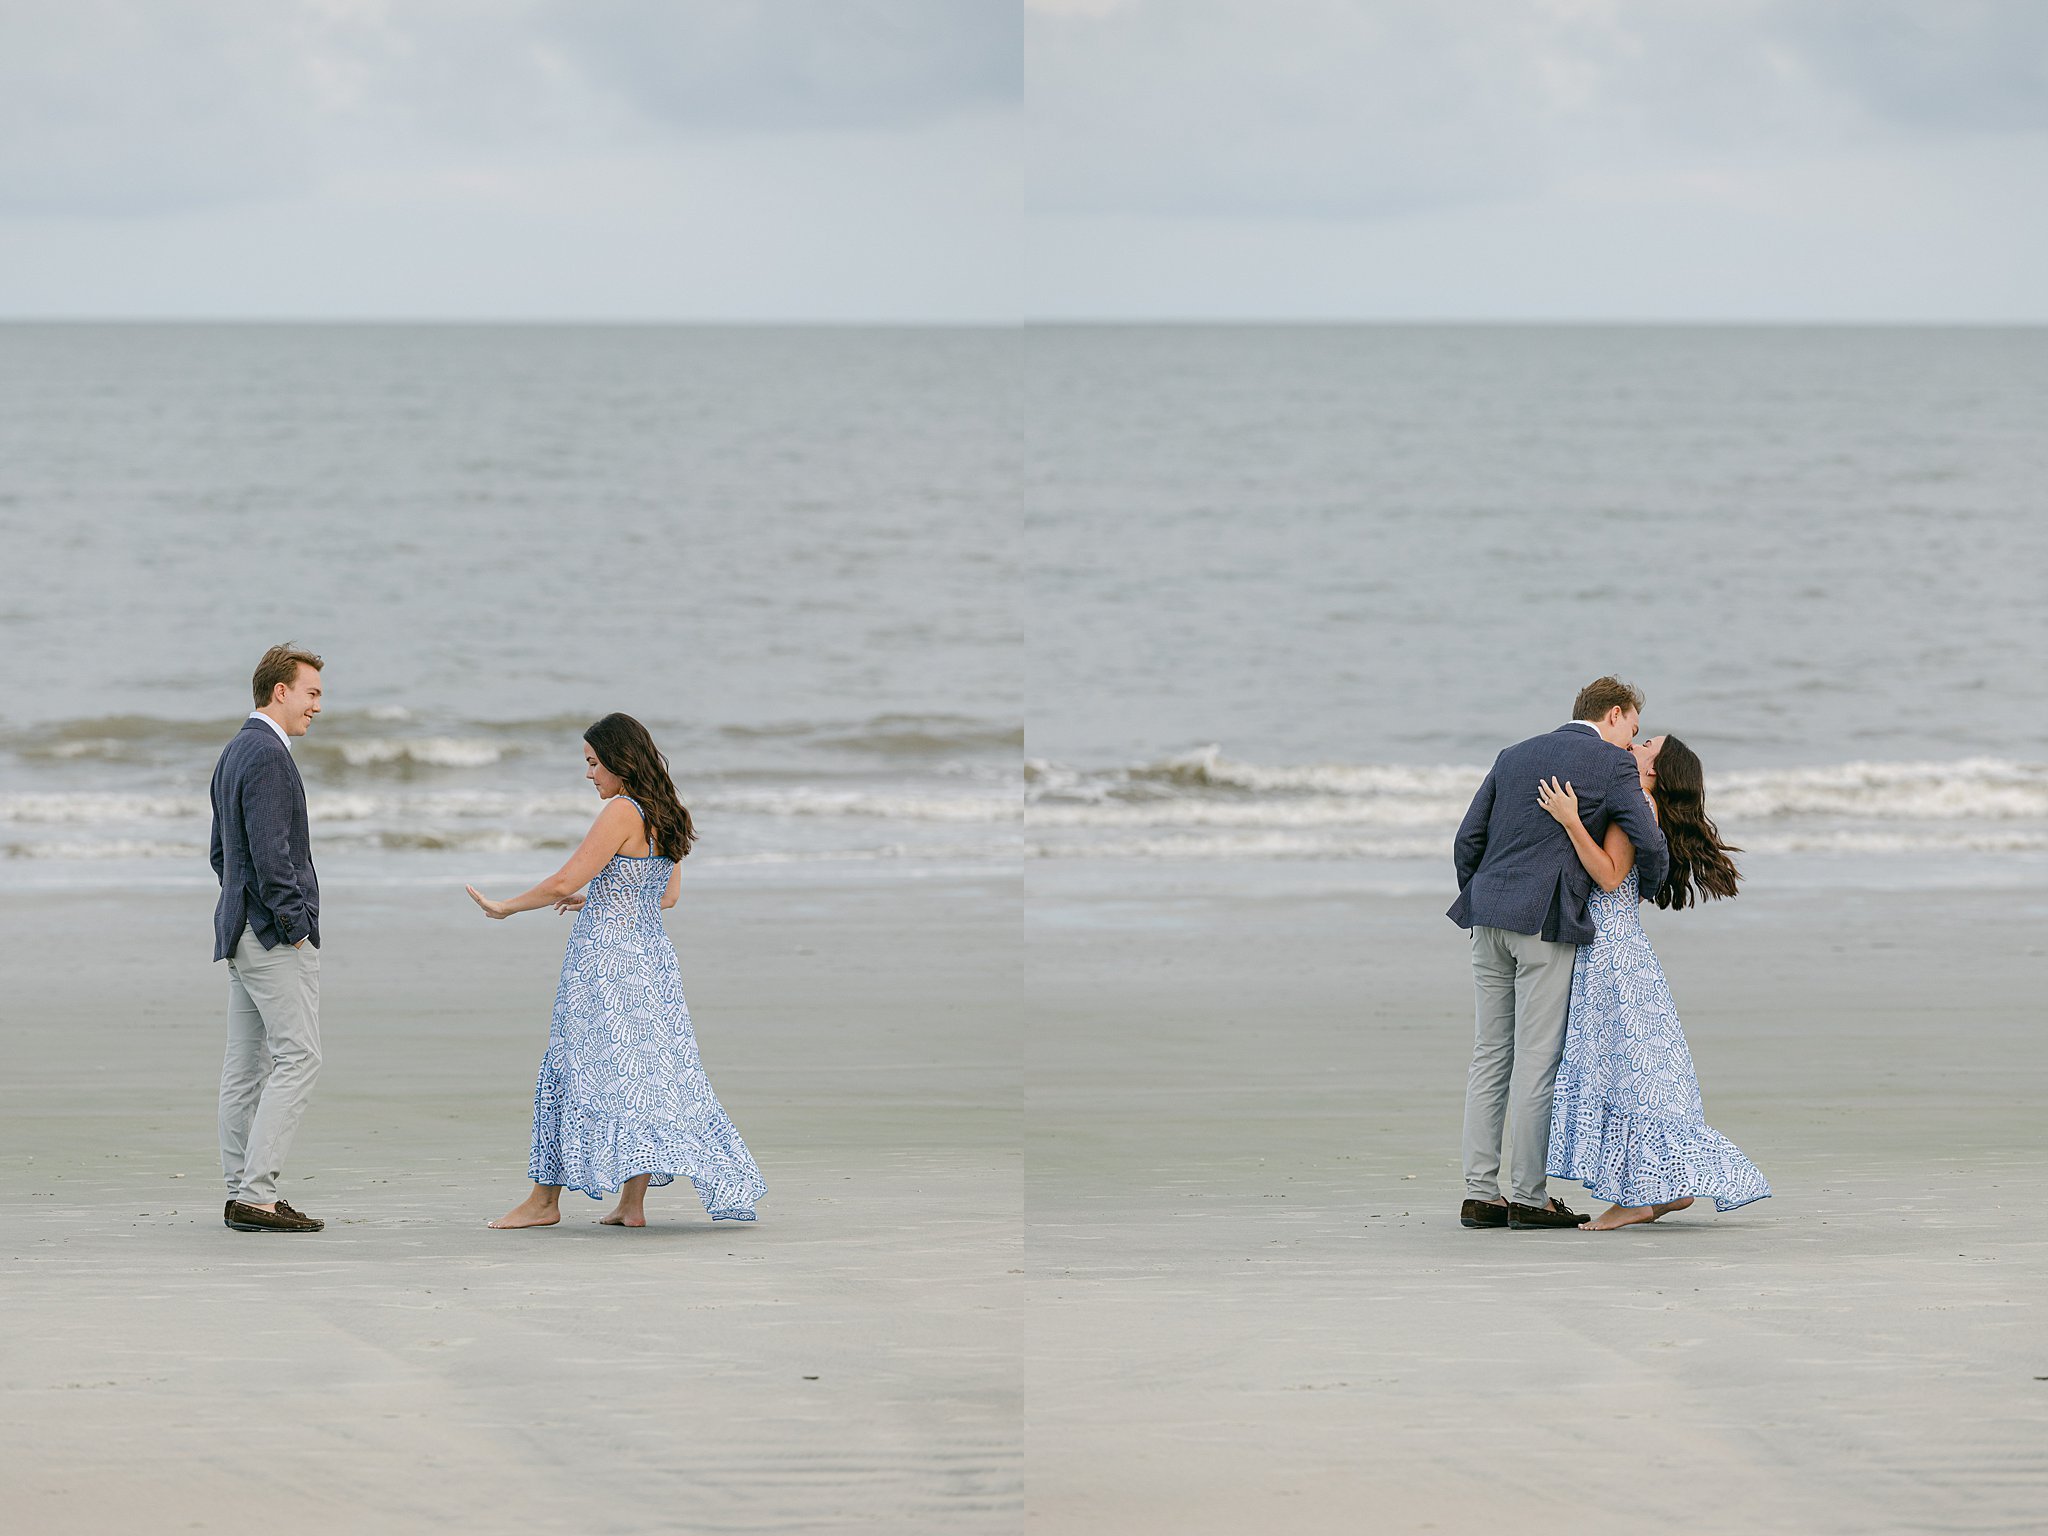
(138, 735)
(1309, 846)
(407, 752)
(1308, 811)
(442, 840)
(1208, 769)
(1976, 789)
(893, 735)
(497, 841)
(114, 738)
(925, 736)
(1244, 845)
(430, 807)
(84, 807)
(107, 848)
(890, 807)
(1206, 788)
(91, 806)
(380, 737)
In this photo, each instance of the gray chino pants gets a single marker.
(1525, 990)
(272, 1058)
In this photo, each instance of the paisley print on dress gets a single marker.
(1627, 1120)
(622, 1091)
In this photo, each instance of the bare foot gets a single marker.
(1669, 1206)
(528, 1213)
(1621, 1216)
(619, 1216)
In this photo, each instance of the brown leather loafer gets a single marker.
(253, 1218)
(1524, 1218)
(1482, 1213)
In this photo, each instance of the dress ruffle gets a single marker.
(579, 1146)
(1648, 1159)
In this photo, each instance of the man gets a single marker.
(1523, 893)
(267, 928)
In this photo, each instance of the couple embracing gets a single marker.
(1578, 1054)
(622, 1101)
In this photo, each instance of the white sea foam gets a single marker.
(885, 823)
(1208, 768)
(1980, 788)
(93, 806)
(1305, 811)
(1972, 789)
(84, 807)
(106, 848)
(1199, 806)
(1298, 845)
(1244, 845)
(427, 751)
(1204, 805)
(891, 807)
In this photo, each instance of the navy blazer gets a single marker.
(262, 848)
(1516, 867)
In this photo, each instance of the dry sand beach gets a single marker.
(1252, 1306)
(851, 1362)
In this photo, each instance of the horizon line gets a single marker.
(1048, 322)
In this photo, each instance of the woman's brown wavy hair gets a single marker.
(1700, 865)
(624, 747)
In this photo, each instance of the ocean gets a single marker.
(1294, 586)
(896, 600)
(783, 550)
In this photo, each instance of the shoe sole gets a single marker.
(1544, 1226)
(250, 1226)
(1466, 1221)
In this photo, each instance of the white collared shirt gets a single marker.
(257, 714)
(1589, 725)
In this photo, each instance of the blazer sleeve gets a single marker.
(267, 799)
(1470, 846)
(217, 853)
(1632, 811)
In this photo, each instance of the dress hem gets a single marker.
(657, 1178)
(1721, 1206)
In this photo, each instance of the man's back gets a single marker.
(1516, 868)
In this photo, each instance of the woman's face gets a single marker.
(1646, 759)
(607, 782)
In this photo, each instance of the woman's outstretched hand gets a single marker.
(1559, 800)
(491, 908)
(570, 903)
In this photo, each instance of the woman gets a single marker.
(1626, 1119)
(622, 1101)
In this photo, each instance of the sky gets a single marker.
(981, 161)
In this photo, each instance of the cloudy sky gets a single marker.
(974, 159)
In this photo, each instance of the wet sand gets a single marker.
(1252, 1306)
(1242, 1302)
(851, 1362)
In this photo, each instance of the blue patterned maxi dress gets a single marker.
(621, 1090)
(1627, 1121)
